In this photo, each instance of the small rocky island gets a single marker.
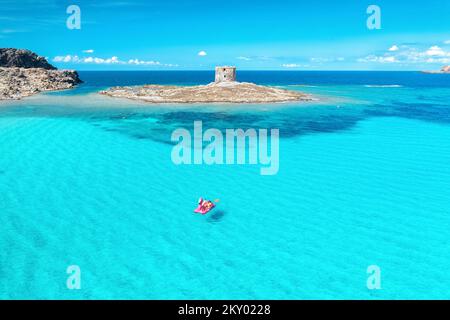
(225, 89)
(24, 73)
(445, 69)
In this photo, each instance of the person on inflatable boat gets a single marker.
(204, 206)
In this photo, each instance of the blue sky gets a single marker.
(253, 35)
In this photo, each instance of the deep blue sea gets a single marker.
(363, 180)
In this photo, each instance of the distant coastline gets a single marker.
(444, 70)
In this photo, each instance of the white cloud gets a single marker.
(67, 58)
(88, 51)
(112, 60)
(439, 60)
(244, 58)
(447, 41)
(409, 55)
(141, 62)
(388, 59)
(436, 51)
(291, 65)
(202, 53)
(380, 59)
(320, 60)
(394, 48)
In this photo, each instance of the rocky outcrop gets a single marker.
(445, 69)
(20, 58)
(222, 92)
(24, 73)
(17, 83)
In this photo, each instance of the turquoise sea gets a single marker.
(364, 180)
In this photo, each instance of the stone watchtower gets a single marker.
(225, 74)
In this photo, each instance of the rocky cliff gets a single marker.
(24, 73)
(19, 58)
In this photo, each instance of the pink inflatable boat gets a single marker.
(204, 206)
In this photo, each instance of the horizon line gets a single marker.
(245, 70)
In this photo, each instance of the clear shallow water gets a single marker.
(363, 180)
